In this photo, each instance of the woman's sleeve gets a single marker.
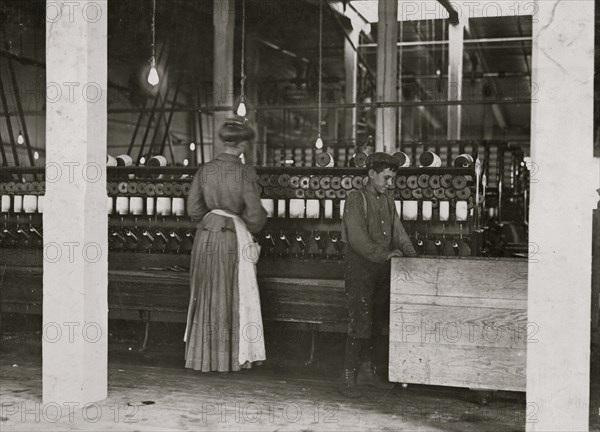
(254, 214)
(196, 207)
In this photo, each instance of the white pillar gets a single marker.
(75, 221)
(387, 74)
(562, 198)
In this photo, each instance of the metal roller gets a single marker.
(28, 187)
(279, 191)
(357, 182)
(463, 161)
(427, 193)
(132, 188)
(324, 159)
(263, 179)
(159, 189)
(150, 189)
(341, 194)
(412, 182)
(186, 189)
(423, 180)
(402, 158)
(463, 194)
(305, 182)
(347, 182)
(177, 189)
(459, 182)
(10, 187)
(325, 183)
(434, 203)
(397, 194)
(299, 193)
(417, 194)
(470, 202)
(336, 183)
(113, 189)
(141, 188)
(330, 194)
(123, 187)
(320, 194)
(294, 182)
(289, 193)
(268, 191)
(450, 193)
(406, 194)
(439, 193)
(283, 180)
(360, 159)
(2, 187)
(310, 194)
(434, 181)
(273, 180)
(446, 180)
(400, 182)
(19, 187)
(315, 182)
(42, 186)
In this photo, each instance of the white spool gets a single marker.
(462, 211)
(281, 208)
(150, 206)
(122, 205)
(157, 161)
(30, 203)
(179, 206)
(444, 211)
(297, 208)
(124, 160)
(163, 206)
(436, 161)
(136, 205)
(269, 206)
(17, 204)
(40, 203)
(410, 210)
(328, 209)
(342, 206)
(111, 161)
(398, 205)
(312, 209)
(110, 205)
(5, 203)
(427, 210)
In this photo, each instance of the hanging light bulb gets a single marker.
(153, 78)
(192, 147)
(319, 143)
(36, 155)
(20, 139)
(241, 111)
(142, 160)
(186, 162)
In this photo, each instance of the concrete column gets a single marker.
(75, 280)
(455, 73)
(563, 196)
(387, 74)
(224, 23)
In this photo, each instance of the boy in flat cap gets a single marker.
(373, 234)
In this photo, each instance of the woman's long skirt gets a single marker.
(212, 338)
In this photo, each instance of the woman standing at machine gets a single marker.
(224, 325)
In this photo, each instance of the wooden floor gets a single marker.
(152, 392)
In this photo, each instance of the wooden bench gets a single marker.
(163, 296)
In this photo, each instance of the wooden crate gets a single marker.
(459, 322)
